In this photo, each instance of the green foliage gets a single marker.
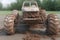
(57, 5)
(39, 2)
(49, 5)
(0, 6)
(17, 5)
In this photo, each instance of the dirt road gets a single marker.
(15, 36)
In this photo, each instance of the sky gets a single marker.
(6, 2)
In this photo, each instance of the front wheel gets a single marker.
(52, 24)
(9, 28)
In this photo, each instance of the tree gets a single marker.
(49, 5)
(17, 5)
(57, 5)
(1, 6)
(39, 3)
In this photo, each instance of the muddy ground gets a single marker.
(15, 36)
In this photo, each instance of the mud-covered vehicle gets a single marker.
(35, 18)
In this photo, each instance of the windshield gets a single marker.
(33, 4)
(26, 4)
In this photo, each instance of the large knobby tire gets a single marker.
(16, 14)
(9, 26)
(42, 16)
(10, 22)
(52, 24)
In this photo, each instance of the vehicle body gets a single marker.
(35, 18)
